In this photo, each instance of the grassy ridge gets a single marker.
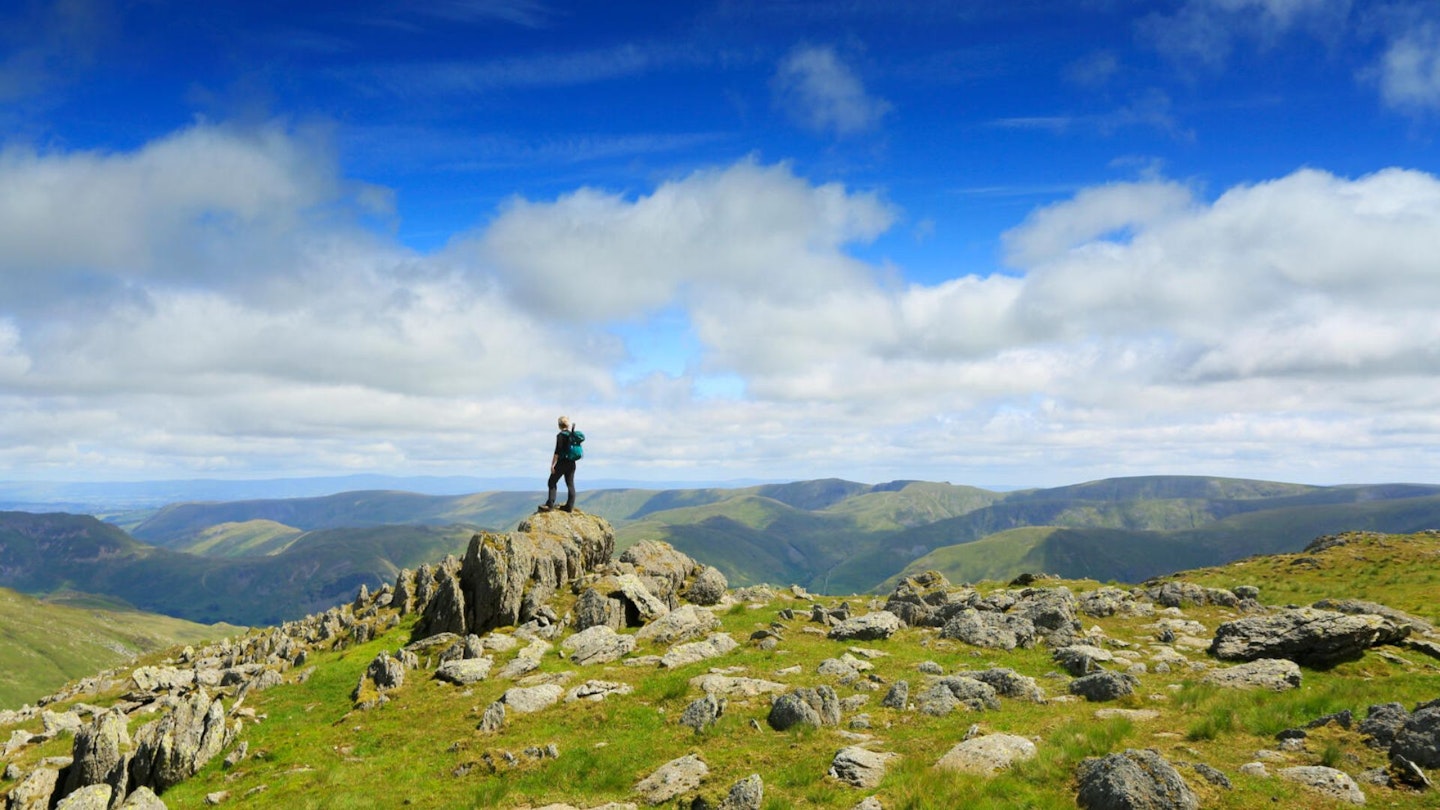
(422, 749)
(47, 644)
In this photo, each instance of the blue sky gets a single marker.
(1020, 243)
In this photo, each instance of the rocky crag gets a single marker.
(553, 588)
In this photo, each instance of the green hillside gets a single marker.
(48, 644)
(42, 554)
(1133, 556)
(250, 538)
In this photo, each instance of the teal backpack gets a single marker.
(573, 449)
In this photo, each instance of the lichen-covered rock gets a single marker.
(528, 699)
(34, 791)
(1081, 659)
(464, 671)
(747, 794)
(987, 755)
(673, 779)
(663, 563)
(548, 551)
(1103, 686)
(984, 628)
(703, 713)
(805, 706)
(898, 697)
(708, 587)
(173, 748)
(1382, 722)
(1329, 782)
(1418, 740)
(714, 646)
(1052, 612)
(1009, 683)
(90, 797)
(595, 609)
(1136, 779)
(598, 645)
(1316, 638)
(875, 626)
(100, 755)
(972, 694)
(860, 767)
(1277, 674)
(685, 623)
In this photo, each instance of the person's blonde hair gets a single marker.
(564, 423)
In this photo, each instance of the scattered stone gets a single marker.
(493, 719)
(599, 644)
(465, 671)
(859, 767)
(881, 624)
(143, 798)
(1276, 674)
(35, 790)
(898, 697)
(596, 691)
(686, 623)
(1103, 686)
(805, 706)
(1081, 659)
(708, 588)
(987, 755)
(674, 778)
(1211, 774)
(1136, 779)
(1382, 723)
(1133, 715)
(735, 687)
(747, 794)
(957, 690)
(1000, 631)
(715, 646)
(1329, 782)
(1418, 740)
(703, 713)
(526, 700)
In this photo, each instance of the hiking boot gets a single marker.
(567, 508)
(544, 507)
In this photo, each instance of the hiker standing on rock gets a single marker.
(568, 450)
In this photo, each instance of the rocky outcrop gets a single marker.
(546, 552)
(1103, 686)
(1307, 636)
(990, 629)
(177, 745)
(1418, 740)
(1328, 782)
(100, 756)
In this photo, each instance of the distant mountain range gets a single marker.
(265, 560)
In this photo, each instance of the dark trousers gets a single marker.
(565, 469)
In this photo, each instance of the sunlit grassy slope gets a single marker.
(43, 644)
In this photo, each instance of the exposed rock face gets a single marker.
(594, 609)
(926, 600)
(1137, 779)
(177, 745)
(464, 671)
(1316, 638)
(527, 699)
(987, 755)
(1382, 723)
(714, 646)
(100, 755)
(1277, 674)
(663, 567)
(548, 551)
(1419, 739)
(958, 690)
(34, 791)
(1009, 683)
(1362, 607)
